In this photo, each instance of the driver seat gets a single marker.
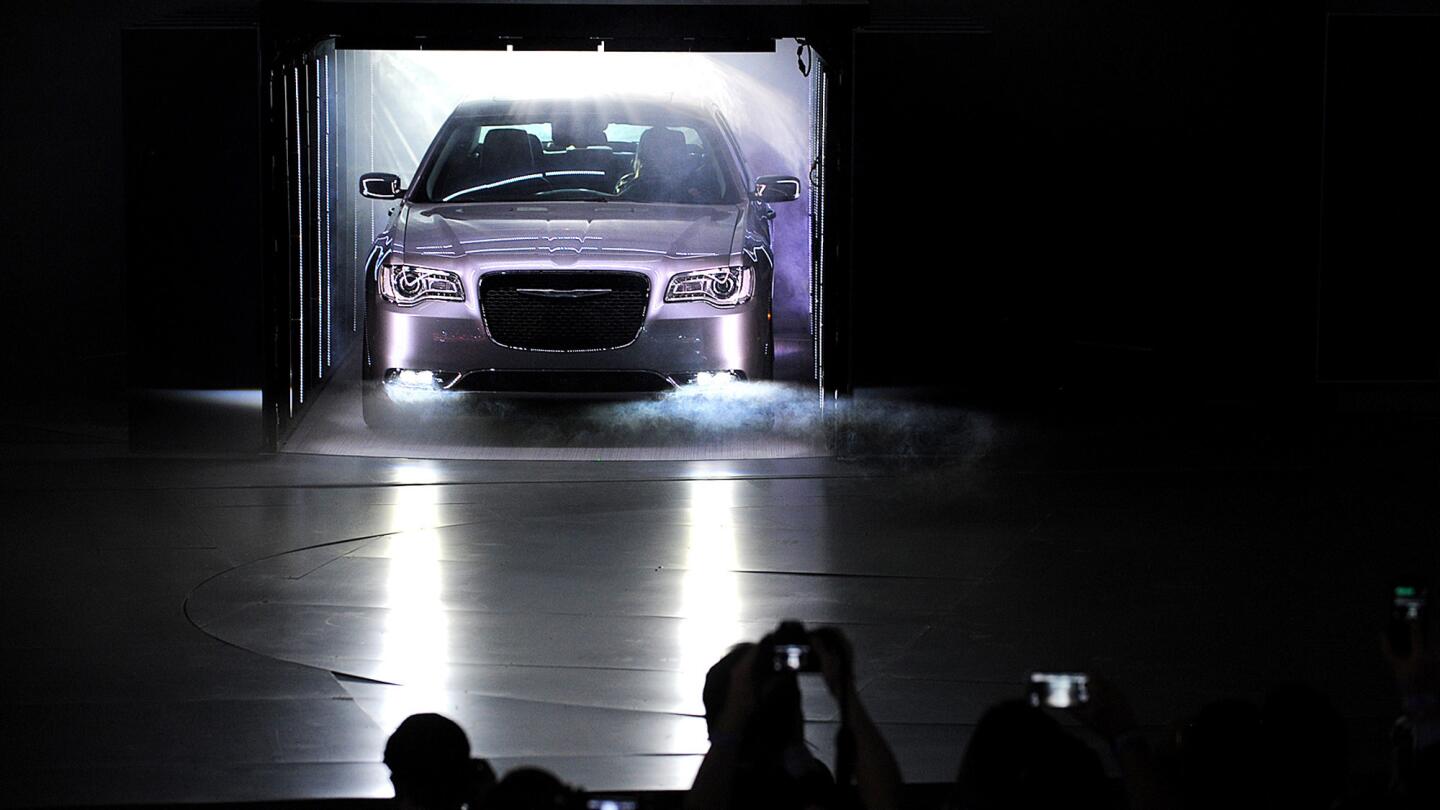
(661, 166)
(506, 153)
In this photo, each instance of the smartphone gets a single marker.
(1058, 690)
(795, 658)
(612, 803)
(1407, 607)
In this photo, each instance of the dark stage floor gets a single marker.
(182, 629)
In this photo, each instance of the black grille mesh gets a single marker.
(534, 320)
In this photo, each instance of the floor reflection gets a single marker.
(710, 588)
(414, 646)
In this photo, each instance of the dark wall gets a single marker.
(192, 193)
(1380, 272)
(1123, 194)
(60, 84)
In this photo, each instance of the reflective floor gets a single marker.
(181, 629)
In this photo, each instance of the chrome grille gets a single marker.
(564, 311)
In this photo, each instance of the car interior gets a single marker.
(576, 160)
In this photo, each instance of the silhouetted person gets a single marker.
(1148, 783)
(532, 789)
(430, 765)
(1020, 758)
(1416, 777)
(758, 758)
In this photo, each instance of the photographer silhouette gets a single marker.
(758, 757)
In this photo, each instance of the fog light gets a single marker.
(707, 379)
(414, 378)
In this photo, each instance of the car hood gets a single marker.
(569, 231)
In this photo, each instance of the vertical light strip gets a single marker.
(319, 230)
(290, 394)
(370, 108)
(820, 262)
(415, 643)
(817, 179)
(300, 223)
(329, 230)
(710, 593)
(354, 214)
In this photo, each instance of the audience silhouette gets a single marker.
(431, 768)
(1289, 751)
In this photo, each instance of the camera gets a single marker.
(1059, 690)
(790, 650)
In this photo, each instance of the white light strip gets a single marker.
(820, 267)
(370, 109)
(329, 230)
(354, 214)
(300, 220)
(319, 232)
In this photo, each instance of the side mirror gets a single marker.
(380, 186)
(776, 188)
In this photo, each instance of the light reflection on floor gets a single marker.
(710, 588)
(414, 644)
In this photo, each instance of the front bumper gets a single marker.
(677, 342)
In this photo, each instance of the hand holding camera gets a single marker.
(1406, 643)
(835, 659)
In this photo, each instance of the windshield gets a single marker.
(564, 154)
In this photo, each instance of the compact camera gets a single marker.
(790, 650)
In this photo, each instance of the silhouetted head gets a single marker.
(532, 789)
(1305, 747)
(1019, 757)
(429, 761)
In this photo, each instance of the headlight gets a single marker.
(407, 286)
(721, 287)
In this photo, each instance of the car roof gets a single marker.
(580, 106)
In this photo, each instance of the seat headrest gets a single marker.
(507, 153)
(579, 134)
(660, 150)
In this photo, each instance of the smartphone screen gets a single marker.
(1407, 607)
(1058, 690)
(1409, 602)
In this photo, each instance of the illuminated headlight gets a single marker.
(407, 286)
(721, 287)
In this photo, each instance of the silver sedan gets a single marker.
(592, 249)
